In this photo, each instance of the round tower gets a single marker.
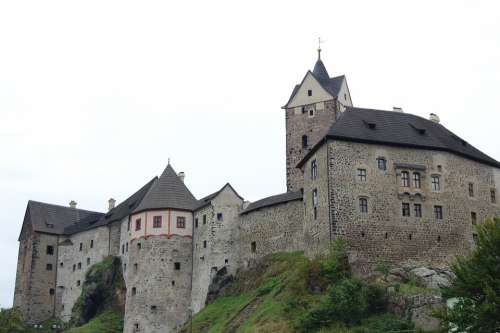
(159, 267)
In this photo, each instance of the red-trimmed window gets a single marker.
(156, 221)
(137, 224)
(181, 222)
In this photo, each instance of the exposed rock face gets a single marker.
(220, 280)
(417, 308)
(426, 277)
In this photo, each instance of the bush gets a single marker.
(348, 301)
(383, 324)
(11, 321)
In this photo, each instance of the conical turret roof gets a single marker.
(169, 191)
(320, 71)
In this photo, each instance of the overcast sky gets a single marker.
(95, 96)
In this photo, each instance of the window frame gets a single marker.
(417, 209)
(436, 183)
(138, 224)
(471, 189)
(157, 221)
(438, 212)
(382, 163)
(361, 175)
(363, 205)
(314, 169)
(181, 222)
(405, 179)
(417, 180)
(405, 209)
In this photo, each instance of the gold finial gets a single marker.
(319, 47)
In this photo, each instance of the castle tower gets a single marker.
(159, 263)
(313, 106)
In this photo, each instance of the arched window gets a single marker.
(304, 141)
(363, 205)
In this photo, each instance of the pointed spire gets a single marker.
(319, 48)
(319, 68)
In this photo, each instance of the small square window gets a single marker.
(52, 291)
(406, 209)
(48, 267)
(381, 163)
(177, 266)
(438, 212)
(50, 250)
(418, 210)
(309, 92)
(181, 222)
(123, 248)
(226, 261)
(363, 205)
(219, 217)
(471, 190)
(362, 175)
(156, 222)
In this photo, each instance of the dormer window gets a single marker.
(370, 125)
(309, 92)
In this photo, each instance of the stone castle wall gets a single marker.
(77, 254)
(221, 239)
(158, 294)
(314, 127)
(272, 229)
(383, 234)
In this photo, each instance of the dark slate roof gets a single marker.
(54, 219)
(168, 192)
(206, 200)
(320, 71)
(116, 214)
(399, 129)
(273, 200)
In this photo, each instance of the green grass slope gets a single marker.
(287, 292)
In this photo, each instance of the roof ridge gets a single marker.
(61, 206)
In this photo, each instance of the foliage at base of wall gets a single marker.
(287, 292)
(103, 289)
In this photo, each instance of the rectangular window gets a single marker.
(49, 267)
(314, 170)
(137, 224)
(123, 248)
(128, 226)
(304, 141)
(88, 261)
(363, 205)
(438, 212)
(126, 247)
(74, 267)
(405, 179)
(406, 209)
(50, 250)
(91, 243)
(78, 283)
(254, 247)
(204, 219)
(156, 221)
(134, 291)
(181, 222)
(177, 266)
(196, 222)
(52, 291)
(81, 246)
(204, 244)
(362, 175)
(471, 190)
(436, 185)
(219, 217)
(493, 196)
(416, 180)
(79, 265)
(315, 197)
(473, 217)
(315, 213)
(381, 163)
(418, 210)
(309, 92)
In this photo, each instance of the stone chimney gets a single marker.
(111, 204)
(434, 117)
(397, 109)
(72, 204)
(182, 175)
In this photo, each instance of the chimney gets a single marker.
(397, 109)
(245, 204)
(111, 204)
(434, 117)
(182, 175)
(72, 204)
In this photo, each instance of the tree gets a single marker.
(11, 321)
(476, 286)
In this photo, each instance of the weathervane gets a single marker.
(320, 41)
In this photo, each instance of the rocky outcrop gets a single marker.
(221, 279)
(426, 277)
(417, 308)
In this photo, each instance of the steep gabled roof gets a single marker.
(399, 129)
(331, 85)
(273, 200)
(206, 200)
(168, 192)
(116, 214)
(53, 219)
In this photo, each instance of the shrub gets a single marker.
(11, 321)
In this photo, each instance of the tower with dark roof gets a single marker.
(313, 106)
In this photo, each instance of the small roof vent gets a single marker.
(397, 109)
(370, 125)
(72, 204)
(434, 118)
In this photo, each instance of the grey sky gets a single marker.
(95, 96)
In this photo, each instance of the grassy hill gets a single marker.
(287, 292)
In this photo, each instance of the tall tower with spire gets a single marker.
(315, 103)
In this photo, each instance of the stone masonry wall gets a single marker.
(383, 234)
(23, 274)
(221, 237)
(277, 228)
(158, 295)
(73, 263)
(299, 124)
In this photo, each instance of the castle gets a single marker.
(396, 186)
